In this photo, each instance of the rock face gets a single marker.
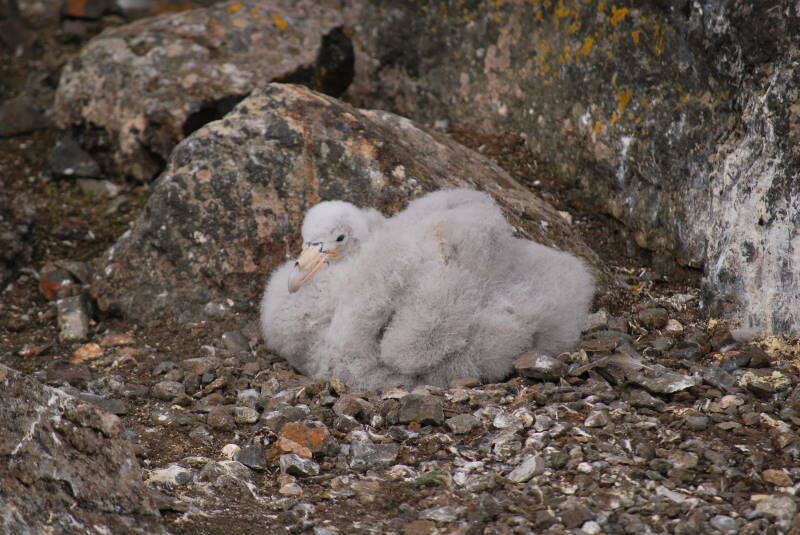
(135, 91)
(229, 206)
(63, 467)
(682, 117)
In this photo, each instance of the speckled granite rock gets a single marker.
(229, 206)
(136, 90)
(64, 467)
(683, 118)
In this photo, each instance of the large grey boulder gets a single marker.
(682, 117)
(64, 467)
(136, 90)
(229, 206)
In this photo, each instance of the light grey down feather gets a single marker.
(440, 291)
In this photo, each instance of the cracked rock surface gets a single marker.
(59, 451)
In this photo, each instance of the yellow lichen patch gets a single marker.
(256, 14)
(574, 27)
(617, 15)
(566, 56)
(560, 11)
(614, 117)
(658, 36)
(233, 8)
(635, 36)
(601, 6)
(597, 126)
(279, 22)
(623, 99)
(588, 43)
(538, 16)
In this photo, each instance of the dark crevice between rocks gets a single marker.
(211, 111)
(160, 163)
(333, 71)
(96, 141)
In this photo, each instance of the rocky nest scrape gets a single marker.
(698, 438)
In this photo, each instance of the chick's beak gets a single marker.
(312, 259)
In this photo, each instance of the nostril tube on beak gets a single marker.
(311, 260)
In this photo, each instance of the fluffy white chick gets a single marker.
(292, 321)
(440, 291)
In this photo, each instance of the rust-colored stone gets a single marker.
(312, 435)
(86, 352)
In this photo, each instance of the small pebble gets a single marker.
(230, 451)
(777, 477)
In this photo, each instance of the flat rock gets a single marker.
(597, 418)
(67, 158)
(531, 465)
(220, 418)
(167, 390)
(49, 436)
(201, 365)
(313, 435)
(297, 466)
(253, 456)
(653, 318)
(248, 179)
(170, 476)
(540, 366)
(422, 409)
(462, 423)
(777, 477)
(213, 470)
(366, 455)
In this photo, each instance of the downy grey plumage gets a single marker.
(440, 291)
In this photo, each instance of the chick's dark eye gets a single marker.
(340, 238)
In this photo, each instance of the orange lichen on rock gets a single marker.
(588, 43)
(279, 22)
(617, 15)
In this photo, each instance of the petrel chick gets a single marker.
(440, 291)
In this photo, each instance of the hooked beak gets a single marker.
(312, 259)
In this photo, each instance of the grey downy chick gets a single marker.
(440, 291)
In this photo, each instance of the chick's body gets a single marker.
(440, 291)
